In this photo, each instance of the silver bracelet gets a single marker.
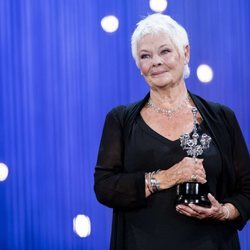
(152, 181)
(152, 184)
(227, 212)
(147, 182)
(157, 184)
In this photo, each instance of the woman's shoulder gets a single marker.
(122, 110)
(127, 113)
(214, 107)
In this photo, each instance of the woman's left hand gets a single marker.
(216, 211)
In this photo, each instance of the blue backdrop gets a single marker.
(59, 75)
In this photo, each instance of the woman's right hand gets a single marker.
(188, 169)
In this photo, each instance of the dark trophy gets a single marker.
(193, 192)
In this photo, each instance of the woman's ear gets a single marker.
(186, 53)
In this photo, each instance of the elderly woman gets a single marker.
(141, 161)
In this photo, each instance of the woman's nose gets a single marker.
(157, 60)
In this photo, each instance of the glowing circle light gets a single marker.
(82, 225)
(110, 23)
(204, 73)
(4, 171)
(158, 5)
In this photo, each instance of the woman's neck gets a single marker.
(169, 97)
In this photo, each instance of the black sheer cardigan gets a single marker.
(122, 191)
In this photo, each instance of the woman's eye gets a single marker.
(144, 56)
(165, 51)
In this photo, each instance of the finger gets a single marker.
(212, 199)
(186, 214)
(200, 168)
(201, 180)
(203, 212)
(197, 178)
(187, 211)
(198, 209)
(198, 160)
(200, 173)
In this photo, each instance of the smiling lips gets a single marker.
(157, 73)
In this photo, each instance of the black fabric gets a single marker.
(129, 148)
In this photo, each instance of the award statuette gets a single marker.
(193, 192)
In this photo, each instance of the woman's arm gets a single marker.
(241, 161)
(112, 186)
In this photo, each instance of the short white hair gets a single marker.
(159, 23)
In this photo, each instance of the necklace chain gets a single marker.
(169, 112)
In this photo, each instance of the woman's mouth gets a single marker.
(157, 73)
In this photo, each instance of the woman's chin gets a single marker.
(161, 84)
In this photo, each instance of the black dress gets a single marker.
(129, 148)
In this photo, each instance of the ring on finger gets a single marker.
(193, 177)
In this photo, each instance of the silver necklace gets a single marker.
(169, 112)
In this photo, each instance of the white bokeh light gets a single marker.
(204, 73)
(158, 5)
(82, 225)
(110, 23)
(4, 171)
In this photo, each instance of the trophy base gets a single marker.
(192, 193)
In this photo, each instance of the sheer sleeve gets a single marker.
(241, 162)
(113, 187)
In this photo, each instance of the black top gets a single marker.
(129, 148)
(158, 225)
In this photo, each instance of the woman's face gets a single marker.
(160, 62)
